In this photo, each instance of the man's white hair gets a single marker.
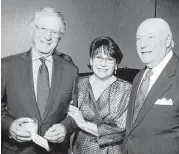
(53, 12)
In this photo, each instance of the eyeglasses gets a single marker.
(44, 31)
(108, 60)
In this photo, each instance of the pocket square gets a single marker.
(164, 101)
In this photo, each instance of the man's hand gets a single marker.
(17, 132)
(56, 133)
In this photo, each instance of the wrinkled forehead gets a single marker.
(48, 20)
(147, 28)
(153, 27)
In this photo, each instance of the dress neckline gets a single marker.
(103, 90)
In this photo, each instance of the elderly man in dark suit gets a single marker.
(38, 84)
(153, 113)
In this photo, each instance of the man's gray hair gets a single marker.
(54, 12)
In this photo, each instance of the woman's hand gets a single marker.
(76, 114)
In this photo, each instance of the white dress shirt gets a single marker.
(158, 69)
(35, 68)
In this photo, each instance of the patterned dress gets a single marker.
(109, 112)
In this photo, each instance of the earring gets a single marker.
(91, 67)
(115, 70)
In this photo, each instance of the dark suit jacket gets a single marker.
(18, 100)
(156, 129)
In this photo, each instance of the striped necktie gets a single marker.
(42, 86)
(141, 95)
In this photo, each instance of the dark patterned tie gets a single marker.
(141, 95)
(42, 86)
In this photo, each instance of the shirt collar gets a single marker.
(158, 69)
(36, 56)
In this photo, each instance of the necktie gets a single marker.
(42, 86)
(141, 95)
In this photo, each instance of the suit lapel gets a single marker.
(27, 79)
(161, 85)
(57, 72)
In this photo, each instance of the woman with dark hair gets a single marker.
(102, 102)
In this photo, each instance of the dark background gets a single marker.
(87, 19)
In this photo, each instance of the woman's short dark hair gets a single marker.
(109, 46)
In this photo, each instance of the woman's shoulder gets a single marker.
(83, 80)
(123, 83)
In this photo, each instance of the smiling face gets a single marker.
(103, 65)
(151, 42)
(44, 32)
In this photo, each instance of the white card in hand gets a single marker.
(40, 141)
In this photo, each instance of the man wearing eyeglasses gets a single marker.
(38, 84)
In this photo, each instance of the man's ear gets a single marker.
(168, 40)
(31, 29)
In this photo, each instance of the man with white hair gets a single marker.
(153, 115)
(38, 84)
